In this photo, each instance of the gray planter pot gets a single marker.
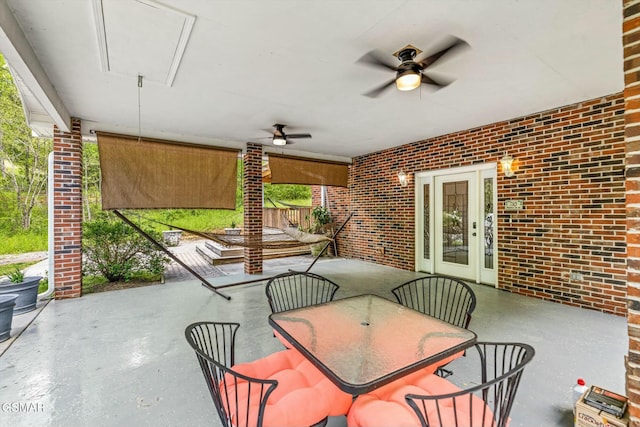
(27, 292)
(7, 303)
(172, 237)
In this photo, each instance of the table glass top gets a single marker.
(365, 340)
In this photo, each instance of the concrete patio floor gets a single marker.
(120, 357)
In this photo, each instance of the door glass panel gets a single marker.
(455, 215)
(427, 225)
(489, 218)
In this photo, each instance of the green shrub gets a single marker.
(117, 252)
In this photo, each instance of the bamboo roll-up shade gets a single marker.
(141, 174)
(290, 170)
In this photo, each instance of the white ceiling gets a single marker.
(245, 65)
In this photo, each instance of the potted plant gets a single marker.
(7, 303)
(25, 287)
(320, 223)
(233, 229)
(321, 218)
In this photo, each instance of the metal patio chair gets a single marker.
(280, 389)
(295, 289)
(446, 298)
(490, 377)
(498, 369)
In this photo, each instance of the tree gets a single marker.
(23, 156)
(90, 180)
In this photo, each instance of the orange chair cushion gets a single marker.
(303, 396)
(387, 406)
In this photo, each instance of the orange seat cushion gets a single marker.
(387, 406)
(303, 396)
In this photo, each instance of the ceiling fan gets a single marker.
(282, 138)
(410, 73)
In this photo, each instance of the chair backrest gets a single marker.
(497, 369)
(214, 344)
(298, 289)
(444, 297)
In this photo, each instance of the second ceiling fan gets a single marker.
(410, 73)
(282, 138)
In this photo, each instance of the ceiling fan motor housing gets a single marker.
(279, 129)
(406, 54)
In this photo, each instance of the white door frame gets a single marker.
(486, 170)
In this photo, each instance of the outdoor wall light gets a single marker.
(507, 165)
(402, 177)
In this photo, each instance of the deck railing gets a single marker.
(285, 217)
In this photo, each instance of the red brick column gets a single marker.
(253, 206)
(67, 211)
(631, 43)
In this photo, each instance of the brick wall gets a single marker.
(631, 42)
(570, 177)
(339, 204)
(67, 193)
(253, 205)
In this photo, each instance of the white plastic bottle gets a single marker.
(578, 389)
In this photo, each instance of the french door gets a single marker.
(455, 224)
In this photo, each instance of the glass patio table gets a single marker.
(364, 342)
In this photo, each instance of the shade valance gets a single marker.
(151, 174)
(295, 170)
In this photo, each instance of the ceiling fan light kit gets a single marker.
(408, 80)
(279, 140)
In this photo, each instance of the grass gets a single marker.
(192, 219)
(21, 242)
(296, 202)
(43, 285)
